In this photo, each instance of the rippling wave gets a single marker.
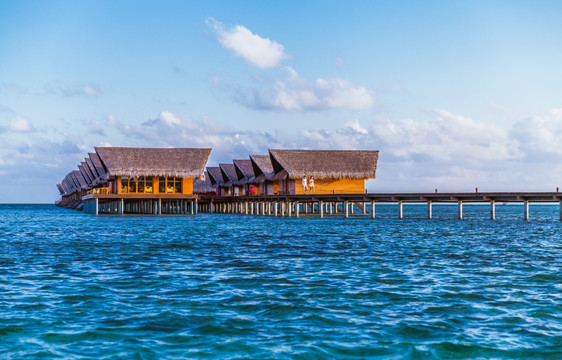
(228, 286)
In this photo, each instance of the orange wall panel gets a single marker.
(187, 186)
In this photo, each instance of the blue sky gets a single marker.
(454, 94)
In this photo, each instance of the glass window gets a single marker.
(124, 184)
(132, 185)
(141, 184)
(148, 183)
(170, 185)
(162, 185)
(177, 186)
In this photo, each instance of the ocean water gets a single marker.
(230, 286)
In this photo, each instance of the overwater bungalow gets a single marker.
(137, 180)
(333, 171)
(216, 179)
(263, 175)
(204, 186)
(231, 185)
(245, 173)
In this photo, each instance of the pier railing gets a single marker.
(339, 204)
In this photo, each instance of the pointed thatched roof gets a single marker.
(178, 162)
(229, 174)
(85, 174)
(244, 169)
(96, 161)
(325, 164)
(215, 175)
(203, 186)
(263, 169)
(81, 181)
(74, 186)
(60, 188)
(88, 170)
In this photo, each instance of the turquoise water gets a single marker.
(231, 286)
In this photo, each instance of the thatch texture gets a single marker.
(89, 170)
(82, 184)
(178, 162)
(228, 173)
(97, 165)
(85, 174)
(203, 186)
(215, 175)
(263, 169)
(244, 169)
(60, 188)
(325, 164)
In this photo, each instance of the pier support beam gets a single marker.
(321, 209)
(492, 210)
(96, 206)
(526, 210)
(297, 208)
(460, 210)
(400, 209)
(429, 209)
(159, 211)
(120, 206)
(373, 209)
(346, 210)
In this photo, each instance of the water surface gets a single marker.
(74, 285)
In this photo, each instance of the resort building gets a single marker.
(332, 171)
(263, 174)
(245, 173)
(137, 180)
(216, 179)
(204, 186)
(231, 185)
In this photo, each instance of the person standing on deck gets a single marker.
(311, 185)
(304, 187)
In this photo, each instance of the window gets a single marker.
(148, 188)
(162, 185)
(170, 185)
(132, 185)
(124, 184)
(177, 185)
(141, 184)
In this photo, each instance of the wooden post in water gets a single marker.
(120, 207)
(297, 208)
(289, 205)
(96, 206)
(192, 207)
(429, 209)
(364, 208)
(460, 210)
(346, 210)
(492, 210)
(321, 209)
(526, 210)
(400, 209)
(372, 209)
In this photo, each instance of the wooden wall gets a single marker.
(328, 186)
(187, 186)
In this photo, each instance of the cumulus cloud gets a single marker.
(21, 124)
(261, 52)
(299, 94)
(540, 137)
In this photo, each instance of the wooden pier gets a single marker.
(120, 204)
(345, 204)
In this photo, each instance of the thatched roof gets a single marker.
(244, 169)
(96, 161)
(88, 170)
(215, 175)
(228, 173)
(203, 186)
(73, 182)
(61, 189)
(178, 162)
(84, 173)
(325, 164)
(263, 169)
(80, 178)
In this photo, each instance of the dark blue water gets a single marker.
(229, 286)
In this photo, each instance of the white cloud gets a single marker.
(261, 52)
(299, 94)
(87, 91)
(540, 137)
(21, 124)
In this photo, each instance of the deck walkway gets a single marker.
(294, 205)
